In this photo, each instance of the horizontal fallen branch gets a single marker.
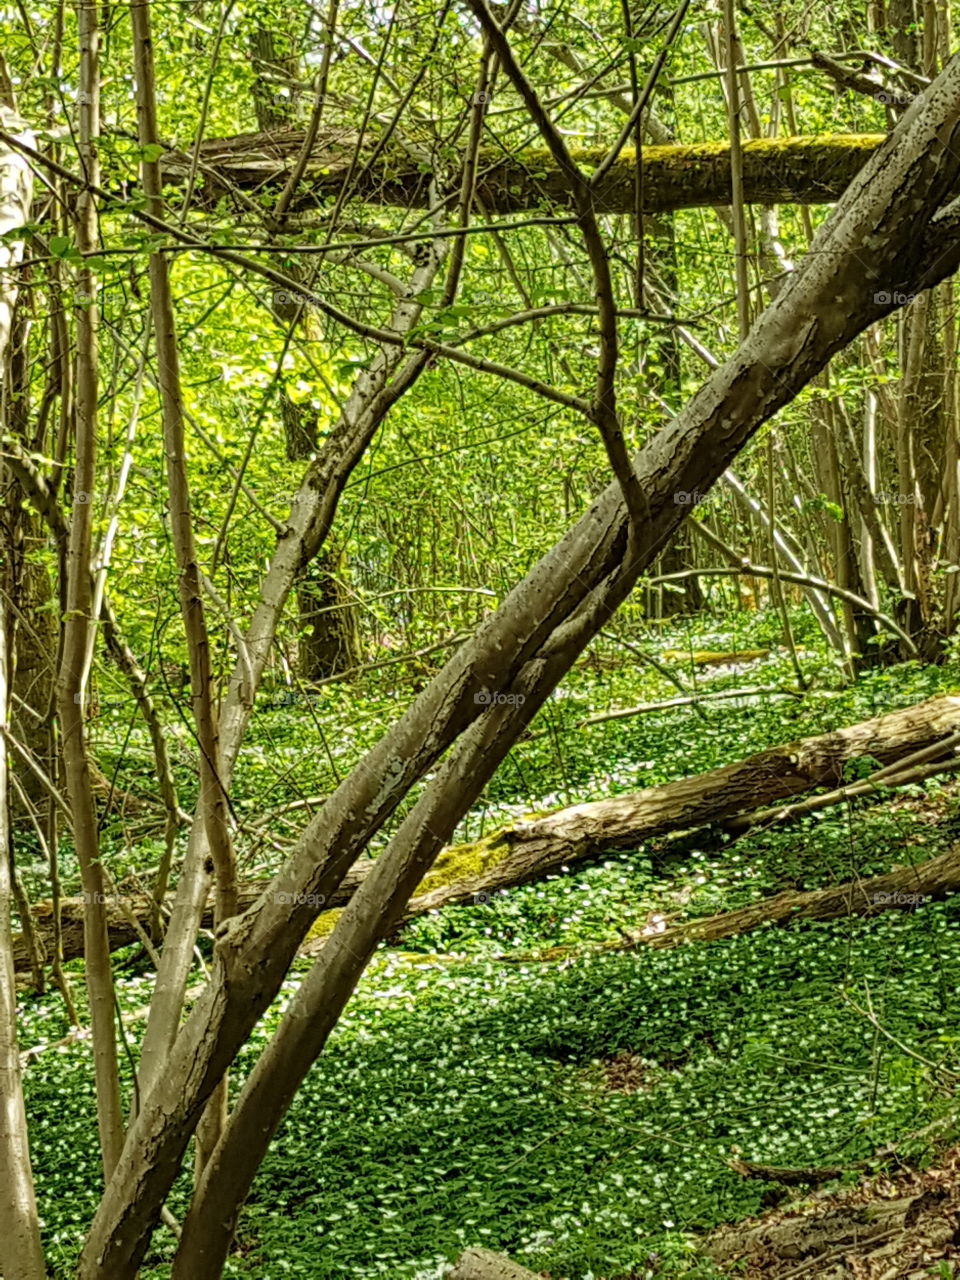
(691, 700)
(901, 890)
(531, 850)
(893, 1224)
(802, 170)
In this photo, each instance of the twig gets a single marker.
(773, 690)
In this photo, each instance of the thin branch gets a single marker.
(745, 569)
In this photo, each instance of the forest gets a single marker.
(479, 640)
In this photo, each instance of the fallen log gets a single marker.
(530, 850)
(889, 1225)
(481, 1264)
(126, 910)
(690, 700)
(802, 170)
(902, 890)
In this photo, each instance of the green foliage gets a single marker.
(466, 1104)
(465, 1097)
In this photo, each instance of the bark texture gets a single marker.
(803, 170)
(531, 850)
(902, 890)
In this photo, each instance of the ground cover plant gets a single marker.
(500, 1079)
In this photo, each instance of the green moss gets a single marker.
(824, 146)
(465, 862)
(460, 862)
(323, 926)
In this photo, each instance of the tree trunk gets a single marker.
(529, 851)
(21, 1253)
(329, 640)
(901, 890)
(72, 684)
(775, 171)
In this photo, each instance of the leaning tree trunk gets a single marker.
(328, 638)
(887, 226)
(531, 850)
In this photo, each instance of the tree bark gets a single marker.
(76, 649)
(21, 1254)
(885, 229)
(805, 170)
(329, 642)
(901, 890)
(529, 851)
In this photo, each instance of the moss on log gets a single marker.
(546, 843)
(802, 170)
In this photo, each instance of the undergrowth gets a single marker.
(465, 1097)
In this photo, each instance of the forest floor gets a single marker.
(503, 1078)
(901, 1224)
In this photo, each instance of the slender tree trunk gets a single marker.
(21, 1255)
(212, 804)
(881, 228)
(72, 685)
